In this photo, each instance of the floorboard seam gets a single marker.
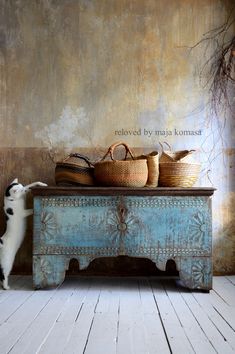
(160, 317)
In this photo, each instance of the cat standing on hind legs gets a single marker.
(10, 242)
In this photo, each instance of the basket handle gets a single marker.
(164, 142)
(114, 146)
(79, 157)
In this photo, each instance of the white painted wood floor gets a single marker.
(94, 315)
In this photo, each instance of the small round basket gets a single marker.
(178, 174)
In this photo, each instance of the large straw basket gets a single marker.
(178, 174)
(121, 173)
(74, 169)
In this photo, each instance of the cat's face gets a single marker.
(15, 190)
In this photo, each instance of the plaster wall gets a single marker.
(78, 75)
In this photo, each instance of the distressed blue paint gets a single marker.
(155, 227)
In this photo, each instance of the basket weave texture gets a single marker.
(176, 169)
(178, 174)
(73, 171)
(175, 156)
(153, 168)
(121, 173)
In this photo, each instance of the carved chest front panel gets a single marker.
(158, 227)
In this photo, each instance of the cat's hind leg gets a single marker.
(5, 274)
(5, 283)
(4, 278)
(1, 275)
(6, 266)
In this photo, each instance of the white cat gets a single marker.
(14, 208)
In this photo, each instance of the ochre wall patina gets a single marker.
(81, 74)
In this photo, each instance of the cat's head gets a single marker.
(15, 190)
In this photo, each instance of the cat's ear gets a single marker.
(15, 181)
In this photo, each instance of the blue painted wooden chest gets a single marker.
(88, 222)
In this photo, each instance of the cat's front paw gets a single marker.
(42, 184)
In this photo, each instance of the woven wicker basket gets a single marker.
(177, 168)
(174, 156)
(153, 168)
(178, 174)
(121, 173)
(73, 171)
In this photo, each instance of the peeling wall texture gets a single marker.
(78, 75)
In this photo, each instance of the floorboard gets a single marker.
(177, 339)
(211, 332)
(197, 337)
(225, 289)
(231, 278)
(117, 315)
